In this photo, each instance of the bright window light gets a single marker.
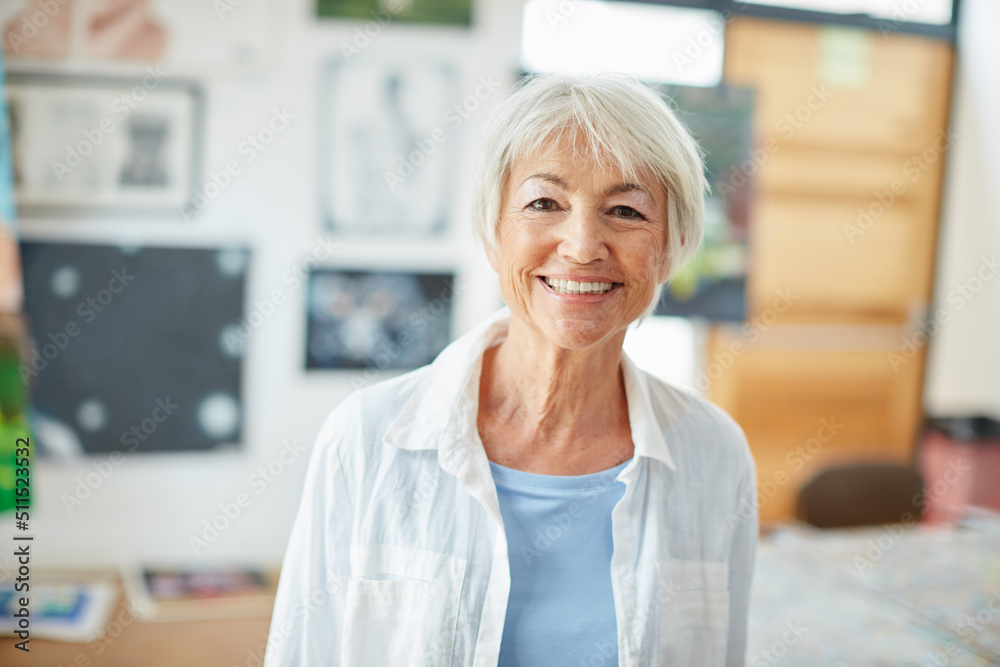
(668, 347)
(934, 12)
(653, 43)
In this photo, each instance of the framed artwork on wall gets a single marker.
(92, 143)
(377, 320)
(187, 37)
(454, 12)
(387, 146)
(713, 284)
(133, 347)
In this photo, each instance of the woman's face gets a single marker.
(580, 250)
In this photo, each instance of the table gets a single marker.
(895, 595)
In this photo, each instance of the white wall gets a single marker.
(963, 374)
(150, 505)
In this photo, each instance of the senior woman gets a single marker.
(531, 497)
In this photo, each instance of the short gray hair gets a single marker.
(625, 125)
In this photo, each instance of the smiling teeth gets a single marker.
(574, 287)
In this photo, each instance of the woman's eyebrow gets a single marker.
(551, 178)
(626, 187)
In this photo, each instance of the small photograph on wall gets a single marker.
(135, 349)
(388, 146)
(191, 36)
(377, 320)
(98, 143)
(454, 12)
(713, 284)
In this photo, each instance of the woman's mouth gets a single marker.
(578, 287)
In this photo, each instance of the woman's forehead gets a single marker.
(556, 164)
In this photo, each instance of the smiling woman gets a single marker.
(533, 498)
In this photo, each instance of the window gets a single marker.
(654, 43)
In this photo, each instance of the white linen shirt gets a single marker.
(398, 555)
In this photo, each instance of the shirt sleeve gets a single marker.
(744, 524)
(307, 621)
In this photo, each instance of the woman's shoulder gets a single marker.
(364, 416)
(691, 418)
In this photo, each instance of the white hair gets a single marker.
(625, 125)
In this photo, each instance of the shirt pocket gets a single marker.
(401, 607)
(694, 626)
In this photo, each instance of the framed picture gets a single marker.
(104, 143)
(387, 146)
(454, 12)
(136, 349)
(377, 320)
(713, 284)
(188, 37)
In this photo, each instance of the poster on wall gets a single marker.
(189, 36)
(713, 284)
(136, 349)
(103, 143)
(387, 146)
(454, 12)
(377, 320)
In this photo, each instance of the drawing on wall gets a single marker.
(135, 348)
(103, 143)
(377, 320)
(713, 284)
(456, 12)
(388, 146)
(188, 36)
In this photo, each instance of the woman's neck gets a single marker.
(545, 408)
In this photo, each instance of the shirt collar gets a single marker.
(443, 410)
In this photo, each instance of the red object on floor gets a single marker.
(958, 473)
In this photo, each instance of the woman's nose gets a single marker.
(583, 236)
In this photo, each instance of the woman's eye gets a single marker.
(544, 204)
(627, 212)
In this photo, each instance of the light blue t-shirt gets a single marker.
(561, 609)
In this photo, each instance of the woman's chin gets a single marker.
(578, 334)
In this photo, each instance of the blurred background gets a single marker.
(221, 218)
